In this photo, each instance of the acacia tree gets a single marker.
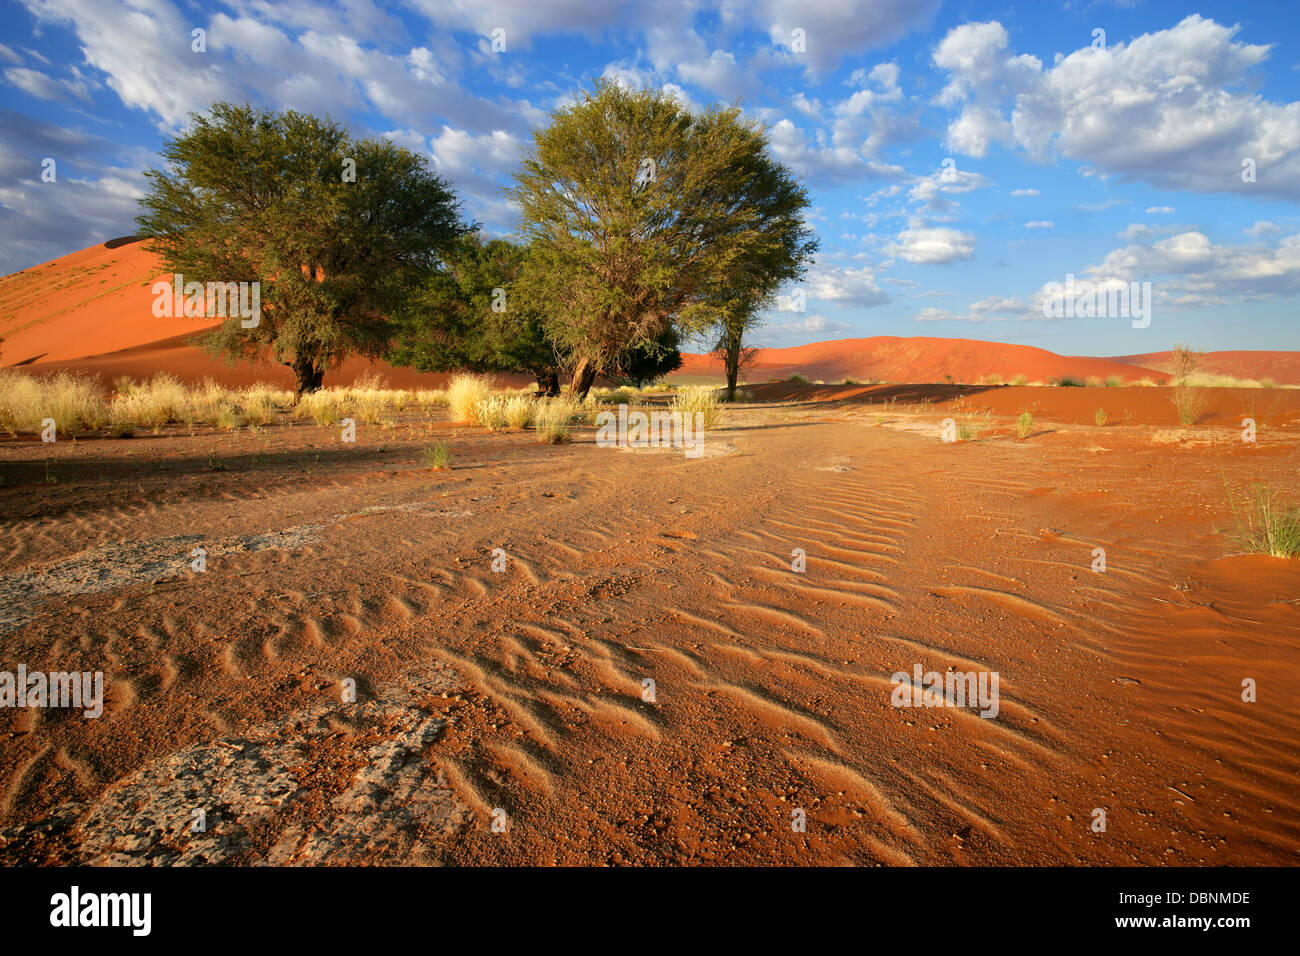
(334, 229)
(636, 208)
(477, 313)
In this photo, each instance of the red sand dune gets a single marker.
(88, 303)
(919, 359)
(1282, 367)
(93, 311)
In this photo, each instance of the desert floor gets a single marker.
(518, 696)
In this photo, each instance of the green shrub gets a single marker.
(1025, 424)
(438, 457)
(1266, 524)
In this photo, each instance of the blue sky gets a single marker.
(960, 155)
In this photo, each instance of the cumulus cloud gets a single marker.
(834, 29)
(930, 190)
(990, 309)
(800, 329)
(825, 164)
(1166, 108)
(1188, 269)
(932, 245)
(845, 287)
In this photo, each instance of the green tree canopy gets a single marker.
(637, 209)
(336, 230)
(477, 313)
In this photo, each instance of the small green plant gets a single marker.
(1025, 424)
(1067, 381)
(1266, 523)
(849, 381)
(1100, 417)
(438, 457)
(797, 379)
(215, 463)
(1020, 380)
(1113, 381)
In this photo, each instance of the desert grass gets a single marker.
(324, 407)
(510, 410)
(553, 416)
(1266, 522)
(72, 401)
(1100, 417)
(261, 405)
(1190, 402)
(701, 399)
(466, 395)
(1025, 424)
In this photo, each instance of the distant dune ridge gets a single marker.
(92, 310)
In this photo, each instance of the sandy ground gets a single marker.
(518, 697)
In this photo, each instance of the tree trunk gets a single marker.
(307, 376)
(584, 373)
(731, 359)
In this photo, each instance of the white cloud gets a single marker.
(1159, 210)
(1188, 269)
(1024, 192)
(924, 245)
(46, 87)
(837, 28)
(1263, 227)
(801, 329)
(845, 287)
(930, 189)
(1165, 108)
(1040, 224)
(976, 129)
(824, 163)
(991, 309)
